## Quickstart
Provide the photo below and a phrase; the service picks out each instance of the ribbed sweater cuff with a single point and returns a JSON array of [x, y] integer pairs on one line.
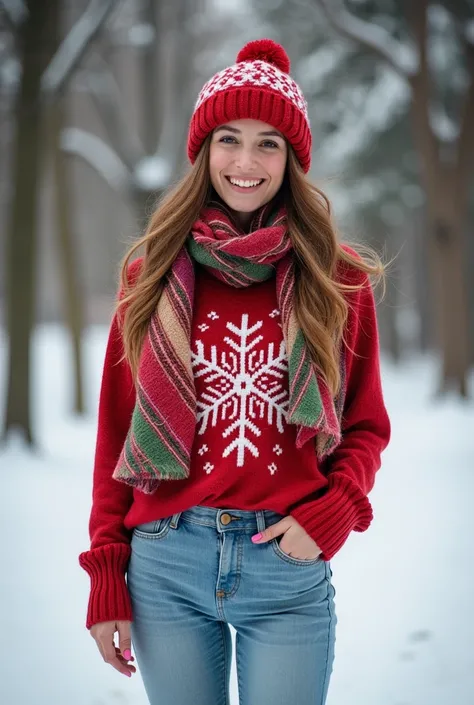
[[330, 519], [109, 597]]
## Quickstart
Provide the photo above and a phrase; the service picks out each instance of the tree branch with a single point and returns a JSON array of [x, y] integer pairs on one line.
[[398, 56], [469, 32], [74, 46], [97, 154], [15, 12], [105, 93], [152, 73], [465, 150], [417, 17]]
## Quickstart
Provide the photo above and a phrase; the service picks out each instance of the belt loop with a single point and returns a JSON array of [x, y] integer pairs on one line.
[[260, 519], [175, 519]]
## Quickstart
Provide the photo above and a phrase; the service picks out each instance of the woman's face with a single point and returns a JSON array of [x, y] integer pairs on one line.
[[247, 165]]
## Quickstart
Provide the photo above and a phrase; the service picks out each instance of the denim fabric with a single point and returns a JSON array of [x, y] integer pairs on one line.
[[194, 573]]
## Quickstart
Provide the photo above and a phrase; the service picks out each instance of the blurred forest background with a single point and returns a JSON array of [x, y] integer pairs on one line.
[[95, 100]]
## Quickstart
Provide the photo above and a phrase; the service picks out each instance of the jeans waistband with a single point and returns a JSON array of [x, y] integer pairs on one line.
[[228, 519]]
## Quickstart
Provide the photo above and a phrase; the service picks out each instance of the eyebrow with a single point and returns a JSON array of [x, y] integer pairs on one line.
[[269, 133]]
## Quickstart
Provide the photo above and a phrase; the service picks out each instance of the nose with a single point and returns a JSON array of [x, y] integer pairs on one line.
[[245, 160]]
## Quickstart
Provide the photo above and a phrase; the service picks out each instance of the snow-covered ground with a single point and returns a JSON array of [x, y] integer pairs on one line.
[[404, 588]]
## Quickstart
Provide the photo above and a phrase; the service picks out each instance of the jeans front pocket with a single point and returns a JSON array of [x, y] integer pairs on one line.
[[290, 559], [153, 529]]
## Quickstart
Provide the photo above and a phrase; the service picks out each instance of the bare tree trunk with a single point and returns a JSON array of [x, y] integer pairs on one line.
[[446, 196], [68, 270], [186, 75], [446, 213], [21, 251], [422, 278], [447, 264], [390, 316], [67, 258], [388, 308], [469, 235], [151, 62], [445, 174]]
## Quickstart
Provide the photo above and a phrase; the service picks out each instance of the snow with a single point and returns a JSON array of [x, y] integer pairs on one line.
[[96, 153], [401, 57], [73, 47], [141, 35], [152, 173], [445, 129], [230, 7], [378, 108], [316, 68], [439, 19], [10, 72], [403, 589], [16, 9]]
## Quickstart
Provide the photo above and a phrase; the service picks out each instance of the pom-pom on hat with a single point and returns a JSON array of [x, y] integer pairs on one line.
[[259, 87]]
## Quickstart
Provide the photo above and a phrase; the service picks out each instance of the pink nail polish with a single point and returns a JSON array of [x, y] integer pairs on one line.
[[256, 537], [127, 654], [128, 674]]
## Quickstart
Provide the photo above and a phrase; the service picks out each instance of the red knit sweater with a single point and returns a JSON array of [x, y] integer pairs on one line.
[[244, 455]]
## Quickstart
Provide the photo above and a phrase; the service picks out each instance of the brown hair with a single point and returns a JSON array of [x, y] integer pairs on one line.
[[321, 305]]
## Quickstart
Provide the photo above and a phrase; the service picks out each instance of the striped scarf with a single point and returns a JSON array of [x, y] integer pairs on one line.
[[161, 434]]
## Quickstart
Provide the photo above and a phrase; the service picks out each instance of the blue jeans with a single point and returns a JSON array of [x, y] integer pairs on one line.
[[191, 575]]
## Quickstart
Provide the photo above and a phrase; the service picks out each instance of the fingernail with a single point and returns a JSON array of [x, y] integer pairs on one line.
[[127, 654], [256, 537], [127, 673]]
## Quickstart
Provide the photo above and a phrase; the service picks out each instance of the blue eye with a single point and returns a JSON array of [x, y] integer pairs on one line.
[[272, 144]]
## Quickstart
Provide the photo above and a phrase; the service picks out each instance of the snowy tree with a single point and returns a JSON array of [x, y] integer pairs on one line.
[[391, 150], [140, 164], [442, 115], [44, 69]]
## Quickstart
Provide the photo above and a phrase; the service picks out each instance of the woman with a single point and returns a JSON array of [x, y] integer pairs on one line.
[[241, 416]]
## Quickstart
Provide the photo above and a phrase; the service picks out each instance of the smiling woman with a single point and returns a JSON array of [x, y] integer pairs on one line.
[[247, 167], [243, 361]]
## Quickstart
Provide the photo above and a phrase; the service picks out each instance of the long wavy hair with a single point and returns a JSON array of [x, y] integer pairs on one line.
[[321, 297]]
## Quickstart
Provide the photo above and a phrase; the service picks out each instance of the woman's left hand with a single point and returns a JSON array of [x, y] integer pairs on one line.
[[296, 542]]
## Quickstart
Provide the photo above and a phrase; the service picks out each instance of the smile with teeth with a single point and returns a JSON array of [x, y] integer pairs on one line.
[[247, 183]]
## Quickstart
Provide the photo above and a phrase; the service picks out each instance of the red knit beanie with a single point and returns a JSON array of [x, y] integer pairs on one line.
[[257, 86]]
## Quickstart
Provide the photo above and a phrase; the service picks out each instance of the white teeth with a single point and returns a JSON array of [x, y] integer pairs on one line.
[[245, 184]]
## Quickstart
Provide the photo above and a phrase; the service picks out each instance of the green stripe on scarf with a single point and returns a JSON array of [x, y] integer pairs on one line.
[[253, 270], [238, 259], [159, 455], [310, 406]]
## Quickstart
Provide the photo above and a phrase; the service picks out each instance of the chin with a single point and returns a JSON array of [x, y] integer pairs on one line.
[[245, 208], [245, 204]]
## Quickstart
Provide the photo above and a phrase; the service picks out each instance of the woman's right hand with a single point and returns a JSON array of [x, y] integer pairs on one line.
[[103, 633]]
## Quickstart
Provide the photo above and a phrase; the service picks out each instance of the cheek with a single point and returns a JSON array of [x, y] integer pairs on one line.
[[276, 168], [217, 162]]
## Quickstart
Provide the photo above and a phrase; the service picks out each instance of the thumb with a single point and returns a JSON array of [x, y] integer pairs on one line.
[[125, 641]]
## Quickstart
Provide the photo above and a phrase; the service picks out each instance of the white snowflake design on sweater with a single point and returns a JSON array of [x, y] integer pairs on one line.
[[243, 388]]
